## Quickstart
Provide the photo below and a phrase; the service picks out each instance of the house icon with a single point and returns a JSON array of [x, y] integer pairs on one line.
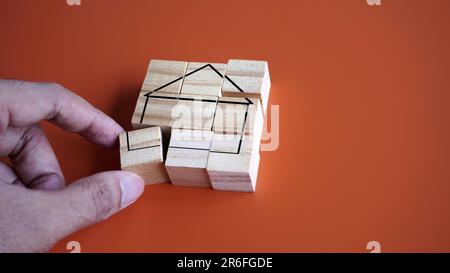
[[211, 115]]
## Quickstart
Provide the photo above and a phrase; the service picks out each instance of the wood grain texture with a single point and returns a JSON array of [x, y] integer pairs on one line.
[[194, 112], [187, 158], [231, 168], [158, 111], [251, 76], [237, 116], [141, 152], [162, 72], [205, 82], [214, 140]]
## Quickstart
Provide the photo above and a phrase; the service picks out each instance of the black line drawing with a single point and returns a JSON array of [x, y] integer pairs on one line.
[[195, 71], [189, 148], [140, 148], [247, 103]]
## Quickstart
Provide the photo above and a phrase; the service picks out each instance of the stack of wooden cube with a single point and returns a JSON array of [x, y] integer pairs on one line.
[[199, 124]]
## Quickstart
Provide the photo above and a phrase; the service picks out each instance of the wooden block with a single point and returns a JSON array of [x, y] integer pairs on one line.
[[141, 152], [164, 76], [163, 79], [239, 116], [187, 158], [233, 162], [204, 79], [248, 79], [154, 109], [194, 112]]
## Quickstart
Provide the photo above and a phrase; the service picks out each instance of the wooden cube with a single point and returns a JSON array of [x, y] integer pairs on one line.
[[187, 157], [141, 152], [164, 76], [159, 94], [239, 116], [194, 112], [203, 79], [249, 79], [154, 110], [233, 162]]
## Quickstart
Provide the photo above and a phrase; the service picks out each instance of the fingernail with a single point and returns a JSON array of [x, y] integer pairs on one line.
[[131, 187]]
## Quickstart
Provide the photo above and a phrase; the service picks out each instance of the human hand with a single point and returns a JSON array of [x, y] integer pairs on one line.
[[36, 209]]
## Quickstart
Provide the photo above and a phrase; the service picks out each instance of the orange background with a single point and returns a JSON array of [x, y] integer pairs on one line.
[[364, 96]]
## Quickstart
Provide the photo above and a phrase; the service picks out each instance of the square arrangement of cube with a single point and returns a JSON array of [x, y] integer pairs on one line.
[[212, 115]]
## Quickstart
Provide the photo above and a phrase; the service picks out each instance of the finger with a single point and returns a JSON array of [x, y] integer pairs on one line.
[[56, 214], [7, 175], [26, 103], [93, 199], [33, 157]]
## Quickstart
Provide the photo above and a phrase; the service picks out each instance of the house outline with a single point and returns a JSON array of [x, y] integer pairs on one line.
[[248, 102]]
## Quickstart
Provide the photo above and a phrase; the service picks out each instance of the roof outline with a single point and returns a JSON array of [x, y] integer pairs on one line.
[[225, 77]]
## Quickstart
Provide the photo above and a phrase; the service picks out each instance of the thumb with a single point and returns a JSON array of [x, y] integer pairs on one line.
[[95, 198], [34, 220]]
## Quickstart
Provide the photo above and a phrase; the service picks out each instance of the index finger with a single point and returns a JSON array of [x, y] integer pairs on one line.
[[26, 103]]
